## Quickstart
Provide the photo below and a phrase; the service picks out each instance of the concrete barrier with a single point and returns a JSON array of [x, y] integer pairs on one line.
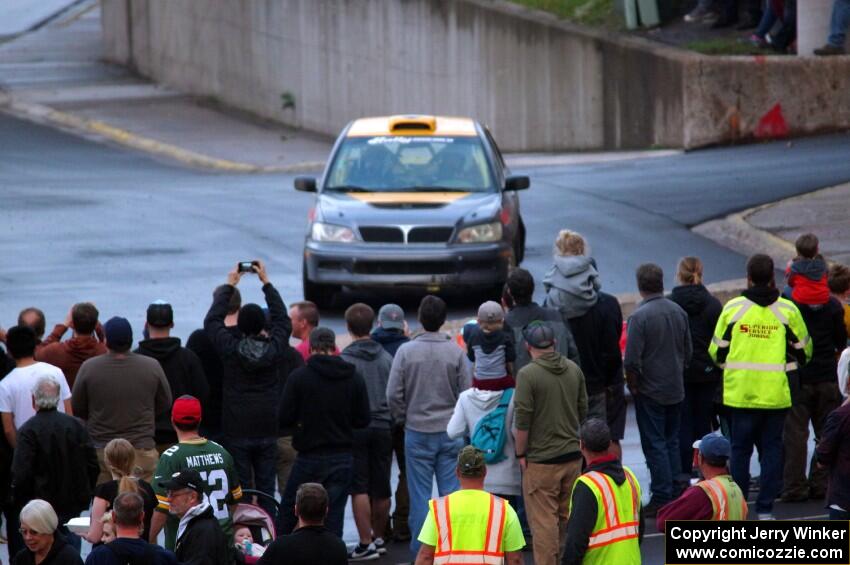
[[539, 83]]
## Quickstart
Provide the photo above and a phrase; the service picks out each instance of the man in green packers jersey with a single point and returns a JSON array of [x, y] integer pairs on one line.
[[209, 459]]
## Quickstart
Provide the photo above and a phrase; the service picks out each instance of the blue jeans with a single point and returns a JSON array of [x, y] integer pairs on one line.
[[427, 455], [333, 471], [256, 464], [658, 425], [839, 23], [762, 429]]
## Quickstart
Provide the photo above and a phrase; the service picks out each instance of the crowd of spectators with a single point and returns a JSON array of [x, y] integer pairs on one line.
[[158, 442]]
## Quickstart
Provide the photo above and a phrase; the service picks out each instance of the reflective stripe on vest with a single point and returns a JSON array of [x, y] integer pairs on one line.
[[718, 491], [616, 529], [491, 553]]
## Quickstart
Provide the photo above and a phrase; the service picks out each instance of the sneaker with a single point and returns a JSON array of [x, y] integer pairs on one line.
[[380, 545], [696, 15], [828, 50], [766, 516], [651, 509], [363, 553], [758, 41]]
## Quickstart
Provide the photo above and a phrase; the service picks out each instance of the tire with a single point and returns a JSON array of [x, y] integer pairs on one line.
[[322, 295], [519, 245]]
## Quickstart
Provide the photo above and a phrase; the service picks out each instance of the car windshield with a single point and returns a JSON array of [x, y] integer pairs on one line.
[[393, 163]]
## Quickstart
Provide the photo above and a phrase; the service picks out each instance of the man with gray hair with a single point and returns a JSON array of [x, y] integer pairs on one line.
[[55, 459]]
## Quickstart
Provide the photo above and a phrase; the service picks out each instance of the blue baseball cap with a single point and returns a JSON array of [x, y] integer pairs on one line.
[[714, 447]]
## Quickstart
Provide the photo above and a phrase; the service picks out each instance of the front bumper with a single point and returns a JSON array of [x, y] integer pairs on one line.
[[370, 265]]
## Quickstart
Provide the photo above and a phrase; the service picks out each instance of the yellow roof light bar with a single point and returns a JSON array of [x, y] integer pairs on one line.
[[412, 124]]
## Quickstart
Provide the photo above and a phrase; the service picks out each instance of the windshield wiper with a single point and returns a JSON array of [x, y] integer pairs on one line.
[[347, 188]]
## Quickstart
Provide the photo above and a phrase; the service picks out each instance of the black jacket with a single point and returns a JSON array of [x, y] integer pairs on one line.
[[60, 554], [310, 545], [703, 311], [583, 510], [202, 346], [391, 340], [325, 400], [185, 375], [825, 323], [54, 460], [833, 451], [203, 542], [251, 381], [597, 334]]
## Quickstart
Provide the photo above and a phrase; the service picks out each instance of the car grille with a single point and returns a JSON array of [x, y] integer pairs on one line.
[[430, 235], [427, 234], [417, 267], [381, 234]]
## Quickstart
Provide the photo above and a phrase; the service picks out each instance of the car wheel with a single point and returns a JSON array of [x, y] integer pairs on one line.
[[519, 244], [322, 295]]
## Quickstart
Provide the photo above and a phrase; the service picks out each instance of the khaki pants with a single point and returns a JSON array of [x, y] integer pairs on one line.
[[285, 459], [547, 490], [146, 460]]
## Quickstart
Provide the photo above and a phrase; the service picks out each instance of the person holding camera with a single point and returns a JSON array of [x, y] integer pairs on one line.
[[252, 386]]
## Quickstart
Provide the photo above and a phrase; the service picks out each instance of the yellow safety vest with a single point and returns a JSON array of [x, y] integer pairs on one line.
[[727, 500], [614, 538], [750, 344], [452, 536]]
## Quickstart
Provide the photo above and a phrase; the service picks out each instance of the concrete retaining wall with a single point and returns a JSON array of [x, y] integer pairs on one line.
[[540, 84]]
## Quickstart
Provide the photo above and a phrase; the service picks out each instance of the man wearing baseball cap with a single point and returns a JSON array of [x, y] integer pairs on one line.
[[716, 497], [550, 403], [201, 540], [482, 525], [209, 459], [181, 366]]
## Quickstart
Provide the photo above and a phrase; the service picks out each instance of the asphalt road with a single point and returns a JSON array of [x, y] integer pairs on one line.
[[85, 221]]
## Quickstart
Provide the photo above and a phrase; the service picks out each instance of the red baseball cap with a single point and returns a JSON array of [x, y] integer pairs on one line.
[[186, 410]]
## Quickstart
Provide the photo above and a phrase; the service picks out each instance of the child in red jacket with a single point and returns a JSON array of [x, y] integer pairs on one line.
[[806, 275]]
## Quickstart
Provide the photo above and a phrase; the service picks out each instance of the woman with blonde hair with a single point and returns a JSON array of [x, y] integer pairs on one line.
[[43, 547], [120, 458], [572, 283], [702, 377]]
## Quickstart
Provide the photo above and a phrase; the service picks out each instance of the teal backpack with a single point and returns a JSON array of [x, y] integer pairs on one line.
[[490, 434]]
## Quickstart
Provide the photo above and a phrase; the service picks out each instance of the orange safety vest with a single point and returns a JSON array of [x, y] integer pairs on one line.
[[490, 554], [727, 500]]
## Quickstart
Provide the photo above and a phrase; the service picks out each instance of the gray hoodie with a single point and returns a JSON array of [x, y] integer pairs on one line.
[[429, 372], [502, 477], [372, 363], [571, 285]]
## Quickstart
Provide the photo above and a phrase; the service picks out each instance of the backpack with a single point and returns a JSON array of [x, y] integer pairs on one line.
[[490, 434]]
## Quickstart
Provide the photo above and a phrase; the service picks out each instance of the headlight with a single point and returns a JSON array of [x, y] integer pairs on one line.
[[481, 233], [331, 232]]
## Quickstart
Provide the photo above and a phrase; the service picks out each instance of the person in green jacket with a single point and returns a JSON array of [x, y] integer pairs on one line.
[[760, 341], [550, 403]]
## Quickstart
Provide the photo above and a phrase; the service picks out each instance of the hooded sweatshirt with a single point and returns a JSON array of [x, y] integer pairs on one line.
[[502, 477], [69, 355], [391, 340], [551, 403], [251, 388], [373, 364], [807, 281], [185, 375], [703, 311], [325, 401], [571, 285]]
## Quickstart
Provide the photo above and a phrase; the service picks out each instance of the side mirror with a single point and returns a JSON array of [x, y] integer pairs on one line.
[[305, 184], [517, 183]]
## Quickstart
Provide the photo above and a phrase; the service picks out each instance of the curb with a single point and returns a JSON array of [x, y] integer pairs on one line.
[[735, 233], [46, 115]]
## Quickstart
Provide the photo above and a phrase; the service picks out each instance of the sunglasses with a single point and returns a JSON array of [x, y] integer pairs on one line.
[[29, 532]]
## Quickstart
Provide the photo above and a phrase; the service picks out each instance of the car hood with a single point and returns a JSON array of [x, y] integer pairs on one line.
[[396, 208]]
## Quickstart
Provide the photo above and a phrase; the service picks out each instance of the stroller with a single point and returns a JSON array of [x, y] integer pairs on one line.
[[260, 522]]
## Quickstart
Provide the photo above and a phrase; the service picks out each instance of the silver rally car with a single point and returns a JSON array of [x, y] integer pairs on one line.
[[417, 201]]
